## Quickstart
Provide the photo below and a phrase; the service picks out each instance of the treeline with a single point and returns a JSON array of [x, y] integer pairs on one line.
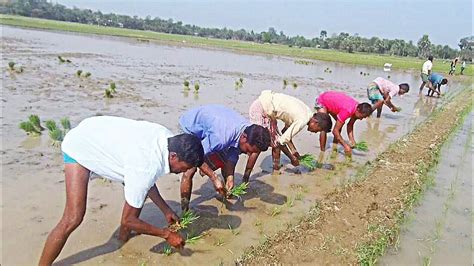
[[342, 41]]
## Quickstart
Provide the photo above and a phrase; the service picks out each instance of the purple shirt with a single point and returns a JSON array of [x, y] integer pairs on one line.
[[217, 126]]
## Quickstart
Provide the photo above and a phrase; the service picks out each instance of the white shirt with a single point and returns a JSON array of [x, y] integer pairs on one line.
[[120, 149], [292, 111], [426, 66]]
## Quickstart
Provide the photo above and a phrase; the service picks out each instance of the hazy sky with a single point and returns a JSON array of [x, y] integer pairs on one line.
[[445, 21]]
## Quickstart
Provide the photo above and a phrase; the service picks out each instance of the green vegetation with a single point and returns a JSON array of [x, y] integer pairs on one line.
[[11, 65], [167, 250], [239, 83], [63, 60], [196, 87], [66, 124], [79, 73], [285, 83], [186, 84], [187, 219], [29, 128], [398, 62], [192, 239], [36, 122], [33, 127], [295, 85], [234, 232], [87, 74], [239, 190], [309, 161], [113, 87], [361, 146]]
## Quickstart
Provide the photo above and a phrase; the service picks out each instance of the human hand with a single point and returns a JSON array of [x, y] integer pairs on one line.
[[171, 217], [347, 150], [175, 239]]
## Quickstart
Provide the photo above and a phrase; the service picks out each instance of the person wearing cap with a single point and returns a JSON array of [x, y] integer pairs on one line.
[[135, 153], [270, 107]]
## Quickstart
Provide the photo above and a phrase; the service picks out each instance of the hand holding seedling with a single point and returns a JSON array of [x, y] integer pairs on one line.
[[175, 239], [171, 217], [238, 191]]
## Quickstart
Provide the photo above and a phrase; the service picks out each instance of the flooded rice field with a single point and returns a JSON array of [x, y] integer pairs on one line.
[[149, 78], [439, 231]]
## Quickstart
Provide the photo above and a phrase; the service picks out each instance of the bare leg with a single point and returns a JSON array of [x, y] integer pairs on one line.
[[77, 179], [379, 111], [276, 159], [186, 187], [422, 86]]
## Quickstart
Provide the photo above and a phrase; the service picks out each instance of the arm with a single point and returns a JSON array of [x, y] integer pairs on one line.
[[322, 140], [337, 135], [350, 131], [388, 102], [155, 196], [249, 167], [214, 178], [130, 221]]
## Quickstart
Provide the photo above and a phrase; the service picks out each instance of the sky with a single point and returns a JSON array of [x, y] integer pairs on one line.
[[446, 22]]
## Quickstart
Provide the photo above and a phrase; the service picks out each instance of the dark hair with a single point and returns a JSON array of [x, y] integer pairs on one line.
[[188, 148], [430, 58], [405, 87], [444, 81], [258, 136], [324, 121], [364, 108]]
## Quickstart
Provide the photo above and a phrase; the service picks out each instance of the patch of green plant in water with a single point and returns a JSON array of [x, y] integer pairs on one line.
[[108, 93], [36, 122], [112, 87], [167, 250], [193, 239], [239, 191], [87, 74], [186, 85], [66, 124], [309, 161], [361, 146], [29, 128], [295, 85], [196, 87], [78, 73]]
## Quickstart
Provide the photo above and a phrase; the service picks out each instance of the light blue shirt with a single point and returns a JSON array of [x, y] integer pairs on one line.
[[217, 126], [435, 78]]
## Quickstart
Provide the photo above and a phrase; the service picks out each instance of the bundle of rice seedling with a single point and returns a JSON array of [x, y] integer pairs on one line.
[[61, 59], [66, 124], [79, 72], [192, 239], [57, 136], [87, 74], [361, 146], [35, 120], [167, 250], [113, 87], [188, 218], [29, 128], [11, 65], [239, 190], [108, 93], [186, 84], [51, 125], [309, 161], [196, 87]]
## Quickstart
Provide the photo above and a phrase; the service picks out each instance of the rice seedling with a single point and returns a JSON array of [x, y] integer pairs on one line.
[[309, 162], [238, 84], [299, 196], [36, 122], [167, 250], [187, 219], [51, 125], [57, 136], [87, 74], [241, 80], [234, 232], [361, 146], [66, 124], [219, 242], [186, 84], [295, 85], [11, 65], [196, 87], [113, 87], [290, 202], [29, 128], [285, 83], [192, 239], [108, 93], [239, 190], [78, 73], [61, 59], [275, 211]]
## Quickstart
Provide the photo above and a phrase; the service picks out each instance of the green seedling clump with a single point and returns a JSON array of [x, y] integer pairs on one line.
[[113, 87], [51, 125], [87, 74], [79, 72], [186, 84], [66, 124], [187, 219], [29, 128], [36, 122], [361, 146], [309, 161], [196, 87], [295, 85], [61, 59], [167, 250], [11, 65], [241, 80], [239, 190], [108, 93]]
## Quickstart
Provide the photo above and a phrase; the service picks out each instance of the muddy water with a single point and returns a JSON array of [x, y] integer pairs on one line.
[[440, 229], [149, 78]]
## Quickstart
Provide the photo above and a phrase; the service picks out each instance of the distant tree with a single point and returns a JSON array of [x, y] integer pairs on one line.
[[323, 34], [424, 45]]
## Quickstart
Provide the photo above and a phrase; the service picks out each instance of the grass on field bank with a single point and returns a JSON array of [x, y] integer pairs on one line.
[[251, 47]]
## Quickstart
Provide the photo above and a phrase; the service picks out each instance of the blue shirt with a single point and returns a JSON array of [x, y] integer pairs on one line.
[[435, 78], [218, 127]]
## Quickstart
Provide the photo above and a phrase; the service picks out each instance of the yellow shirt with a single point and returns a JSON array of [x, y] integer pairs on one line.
[[292, 111]]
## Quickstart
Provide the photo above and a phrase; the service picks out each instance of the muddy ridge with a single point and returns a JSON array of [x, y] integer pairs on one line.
[[355, 223]]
